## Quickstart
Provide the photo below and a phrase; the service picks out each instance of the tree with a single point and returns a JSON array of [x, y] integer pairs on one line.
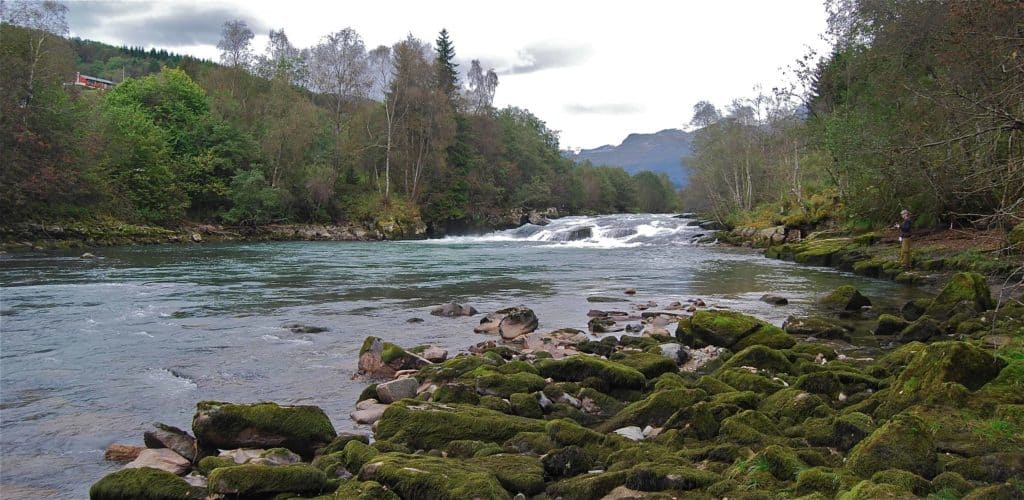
[[234, 44], [282, 60], [48, 20], [480, 95], [447, 74], [339, 68], [381, 72]]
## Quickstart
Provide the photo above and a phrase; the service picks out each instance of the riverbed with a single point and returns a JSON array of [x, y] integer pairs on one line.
[[94, 350]]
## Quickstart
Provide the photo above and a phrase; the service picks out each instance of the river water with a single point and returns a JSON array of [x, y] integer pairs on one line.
[[93, 351]]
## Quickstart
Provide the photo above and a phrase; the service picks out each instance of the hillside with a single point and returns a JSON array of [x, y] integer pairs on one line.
[[658, 152]]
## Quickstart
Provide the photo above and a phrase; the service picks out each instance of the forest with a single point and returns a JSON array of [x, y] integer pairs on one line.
[[919, 106], [334, 133]]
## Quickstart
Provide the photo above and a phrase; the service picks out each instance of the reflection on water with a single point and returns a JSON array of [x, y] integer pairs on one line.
[[95, 350]]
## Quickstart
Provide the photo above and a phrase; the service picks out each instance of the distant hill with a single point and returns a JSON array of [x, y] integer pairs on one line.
[[658, 152]]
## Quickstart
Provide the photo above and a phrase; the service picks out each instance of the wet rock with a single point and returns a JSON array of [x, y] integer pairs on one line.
[[580, 233], [890, 325], [300, 328], [389, 392], [435, 354], [602, 325], [962, 287], [902, 443], [816, 327], [921, 330], [196, 238], [301, 429], [166, 436], [630, 291], [368, 411], [381, 359], [774, 300], [489, 323], [452, 310], [162, 459], [600, 299], [277, 456], [414, 320], [142, 483], [845, 298], [914, 309], [675, 352], [122, 452], [517, 321]]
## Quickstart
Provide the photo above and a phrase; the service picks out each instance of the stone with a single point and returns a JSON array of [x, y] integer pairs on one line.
[[452, 310], [276, 456], [489, 323], [921, 330], [630, 291], [122, 452], [369, 411], [161, 459], [632, 433], [389, 392], [962, 287], [675, 352], [697, 358], [379, 359], [904, 442], [242, 455], [142, 484], [424, 425], [255, 480], [196, 238], [845, 298], [301, 429], [519, 320], [88, 255], [813, 327], [889, 324], [195, 480], [166, 436], [435, 354], [774, 300]]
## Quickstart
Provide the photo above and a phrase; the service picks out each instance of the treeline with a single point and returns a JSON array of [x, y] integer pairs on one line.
[[331, 133], [920, 105]]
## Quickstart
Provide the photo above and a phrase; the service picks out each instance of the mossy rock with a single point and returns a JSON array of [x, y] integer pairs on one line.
[[655, 409], [697, 421], [456, 393], [871, 267], [762, 358], [749, 427], [823, 480], [369, 392], [1005, 491], [992, 468], [302, 429], [651, 365], [748, 400], [833, 382], [904, 442], [951, 482], [587, 486], [791, 406], [767, 335], [516, 473], [667, 381], [599, 404], [252, 480], [432, 478], [526, 405], [579, 367], [814, 326], [537, 443], [343, 438], [962, 287], [937, 364], [845, 298], [452, 368], [566, 462], [745, 381], [504, 385], [1006, 388], [651, 476], [362, 490], [867, 490], [722, 328], [963, 432], [890, 325], [566, 432], [207, 464], [822, 252], [904, 479], [495, 403], [782, 462], [356, 454], [431, 425], [922, 330], [712, 385], [143, 484]]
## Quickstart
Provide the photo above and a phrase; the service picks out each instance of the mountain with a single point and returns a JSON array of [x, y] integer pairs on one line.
[[658, 152]]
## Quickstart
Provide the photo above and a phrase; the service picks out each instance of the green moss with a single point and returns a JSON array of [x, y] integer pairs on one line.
[[1005, 491], [503, 385], [464, 448], [951, 482], [599, 403], [363, 490], [431, 425], [760, 357], [651, 365], [845, 298], [339, 442], [301, 429], [745, 381], [142, 484], [451, 369], [588, 486], [820, 252], [697, 421], [566, 462], [902, 443], [207, 464], [819, 480], [867, 490], [456, 393], [783, 463], [722, 328], [356, 454], [495, 403], [369, 392], [252, 480], [921, 330], [388, 446], [655, 409], [791, 406], [905, 480], [712, 385], [991, 468], [537, 443], [747, 400], [768, 336], [432, 478], [814, 326], [749, 427], [871, 267], [1007, 387], [970, 287], [579, 367], [650, 476], [516, 473], [890, 325], [332, 464], [526, 405]]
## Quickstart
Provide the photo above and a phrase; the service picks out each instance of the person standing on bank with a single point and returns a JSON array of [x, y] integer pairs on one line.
[[904, 226]]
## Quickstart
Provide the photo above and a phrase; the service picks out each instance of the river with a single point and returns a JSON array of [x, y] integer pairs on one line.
[[94, 350]]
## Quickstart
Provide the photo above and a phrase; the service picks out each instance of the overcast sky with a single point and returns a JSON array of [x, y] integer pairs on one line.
[[596, 71]]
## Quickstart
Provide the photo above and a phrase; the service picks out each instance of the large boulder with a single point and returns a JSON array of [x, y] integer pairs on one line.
[[256, 480], [962, 287], [379, 359], [389, 392], [845, 298], [417, 476], [166, 436], [579, 367], [730, 329], [517, 321], [301, 429], [904, 442], [432, 425], [161, 458]]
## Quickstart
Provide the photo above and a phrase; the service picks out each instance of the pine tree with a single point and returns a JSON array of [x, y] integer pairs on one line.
[[447, 77]]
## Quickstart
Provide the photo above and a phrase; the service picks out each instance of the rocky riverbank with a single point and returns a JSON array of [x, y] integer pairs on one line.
[[703, 403]]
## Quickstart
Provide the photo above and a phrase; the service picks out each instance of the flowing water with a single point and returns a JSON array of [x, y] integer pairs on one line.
[[93, 351]]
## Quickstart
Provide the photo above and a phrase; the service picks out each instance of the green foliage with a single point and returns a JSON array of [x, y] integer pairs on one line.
[[253, 200]]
